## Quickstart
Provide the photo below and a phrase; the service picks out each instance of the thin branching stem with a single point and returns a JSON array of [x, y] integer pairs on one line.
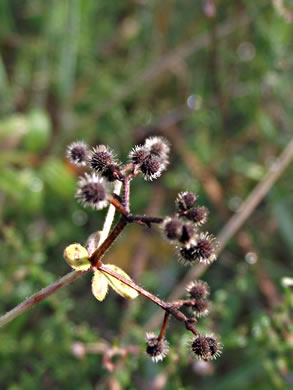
[[142, 219], [39, 297], [168, 307], [164, 326], [126, 194], [117, 204], [100, 251], [67, 279], [234, 223]]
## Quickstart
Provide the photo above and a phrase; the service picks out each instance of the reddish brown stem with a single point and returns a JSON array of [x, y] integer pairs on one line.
[[97, 255], [144, 219], [168, 307], [39, 296], [117, 204], [186, 302], [164, 326], [189, 326], [126, 194], [130, 283]]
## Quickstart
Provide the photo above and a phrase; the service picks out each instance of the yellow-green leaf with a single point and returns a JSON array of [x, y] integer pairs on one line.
[[77, 257], [99, 285], [120, 288]]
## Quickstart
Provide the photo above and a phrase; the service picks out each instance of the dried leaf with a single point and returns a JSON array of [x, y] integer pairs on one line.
[[99, 285], [77, 257], [120, 288]]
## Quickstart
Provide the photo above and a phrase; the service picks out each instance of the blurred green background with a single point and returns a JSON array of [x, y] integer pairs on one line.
[[215, 78]]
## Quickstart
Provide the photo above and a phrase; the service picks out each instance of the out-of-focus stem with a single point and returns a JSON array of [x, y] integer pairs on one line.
[[67, 279], [39, 297]]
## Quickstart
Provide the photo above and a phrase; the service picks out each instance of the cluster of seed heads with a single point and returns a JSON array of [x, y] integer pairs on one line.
[[205, 347], [198, 291], [151, 159], [182, 229]]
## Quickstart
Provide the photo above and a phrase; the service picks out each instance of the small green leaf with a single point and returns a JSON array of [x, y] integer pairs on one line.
[[121, 288], [99, 285], [77, 257]]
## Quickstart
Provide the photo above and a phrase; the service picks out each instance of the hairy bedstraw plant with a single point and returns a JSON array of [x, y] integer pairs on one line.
[[181, 229]]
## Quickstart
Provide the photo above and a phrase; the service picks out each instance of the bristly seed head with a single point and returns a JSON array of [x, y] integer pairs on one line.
[[198, 289], [176, 230], [198, 215], [187, 233], [138, 155], [77, 153], [158, 146], [172, 228], [202, 248], [206, 347], [92, 191], [100, 158], [215, 346], [205, 248], [201, 307], [152, 168], [156, 349], [112, 172], [187, 253], [201, 348], [185, 201], [152, 157]]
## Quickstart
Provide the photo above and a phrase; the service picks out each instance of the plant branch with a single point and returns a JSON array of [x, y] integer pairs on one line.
[[225, 235], [40, 296], [164, 326], [235, 222], [130, 283], [170, 308], [141, 219], [117, 204], [126, 194], [100, 251], [67, 279], [144, 219]]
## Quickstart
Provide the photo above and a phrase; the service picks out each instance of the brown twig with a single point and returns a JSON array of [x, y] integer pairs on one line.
[[100, 251], [117, 204], [143, 219], [65, 280], [39, 297], [126, 194], [167, 307], [164, 326]]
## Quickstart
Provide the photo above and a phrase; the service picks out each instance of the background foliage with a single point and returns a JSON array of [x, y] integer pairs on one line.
[[114, 72]]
